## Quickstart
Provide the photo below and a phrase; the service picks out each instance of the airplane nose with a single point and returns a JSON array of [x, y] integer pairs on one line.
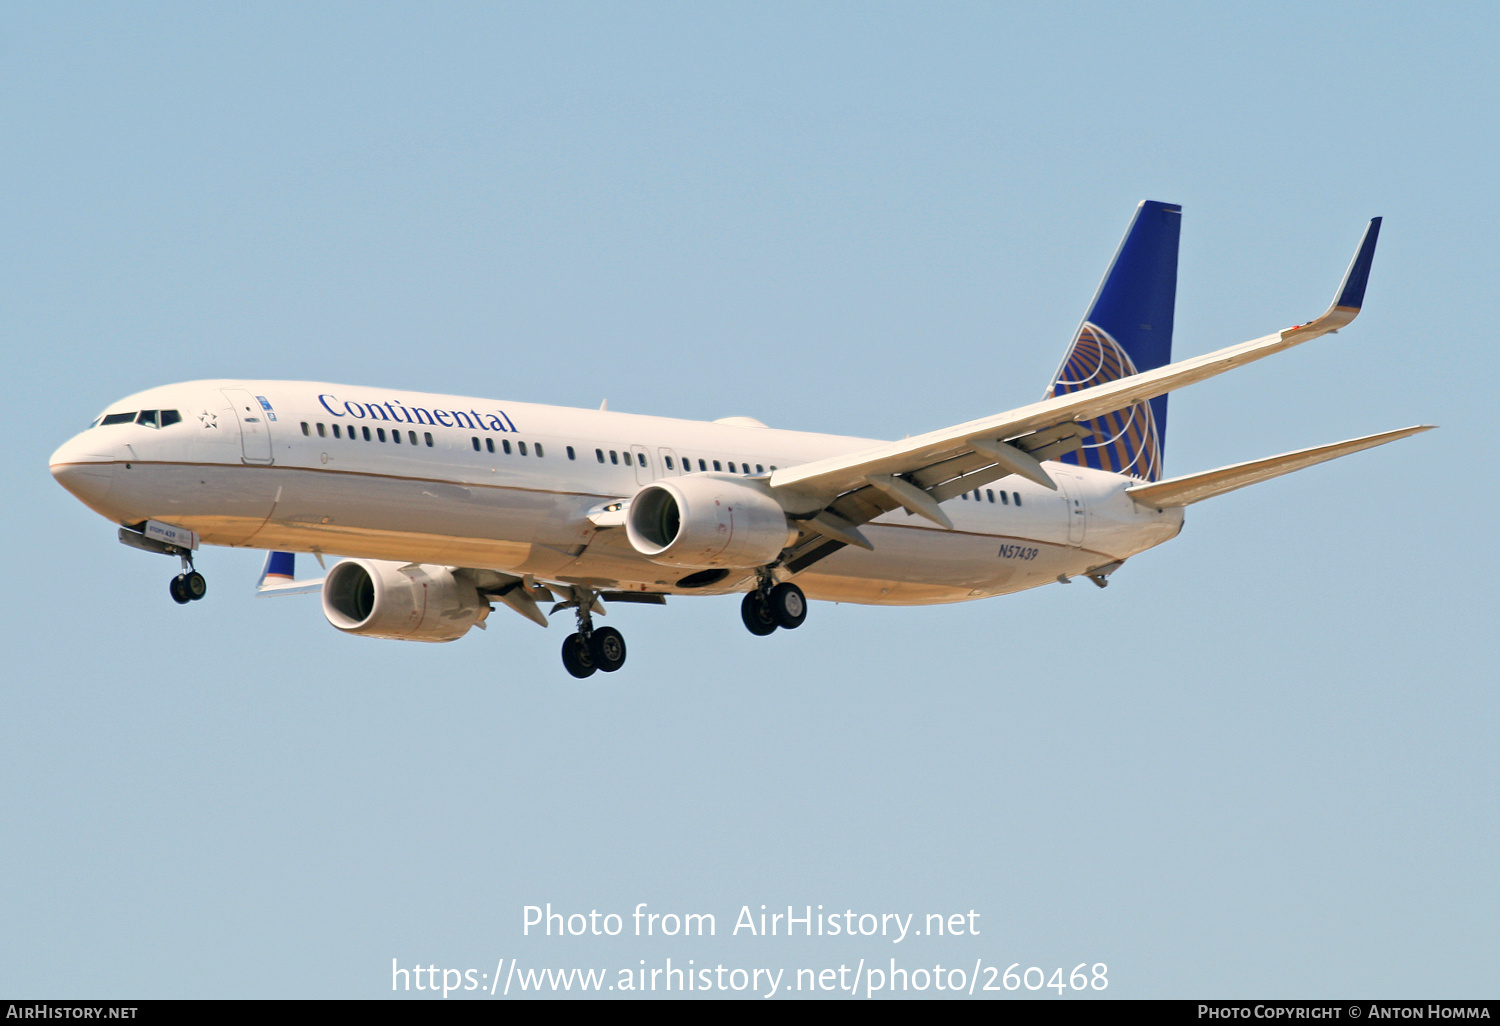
[[86, 474]]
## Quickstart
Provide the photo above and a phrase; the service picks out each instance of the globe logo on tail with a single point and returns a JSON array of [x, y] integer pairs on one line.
[[1125, 441]]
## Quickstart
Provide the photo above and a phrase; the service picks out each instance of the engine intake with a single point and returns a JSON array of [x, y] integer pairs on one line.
[[375, 598], [706, 521]]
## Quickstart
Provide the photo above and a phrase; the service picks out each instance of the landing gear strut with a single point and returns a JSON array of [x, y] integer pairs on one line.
[[773, 605], [589, 650]]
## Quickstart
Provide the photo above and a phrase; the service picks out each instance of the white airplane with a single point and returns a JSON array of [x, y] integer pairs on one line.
[[447, 504]]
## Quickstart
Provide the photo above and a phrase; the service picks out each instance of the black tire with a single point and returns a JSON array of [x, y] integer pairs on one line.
[[788, 605], [608, 649], [179, 591], [756, 612], [577, 658], [195, 586]]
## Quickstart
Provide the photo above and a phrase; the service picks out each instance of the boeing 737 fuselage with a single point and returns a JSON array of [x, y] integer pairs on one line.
[[447, 504]]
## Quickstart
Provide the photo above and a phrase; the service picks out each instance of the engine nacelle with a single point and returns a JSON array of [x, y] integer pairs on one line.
[[706, 521], [403, 601]]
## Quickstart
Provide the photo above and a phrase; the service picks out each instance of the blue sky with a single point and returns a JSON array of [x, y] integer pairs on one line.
[[1261, 763]]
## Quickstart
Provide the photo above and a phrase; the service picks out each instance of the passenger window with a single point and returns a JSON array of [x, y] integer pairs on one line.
[[614, 457], [428, 436], [991, 493], [599, 453], [381, 433], [702, 465], [322, 431], [731, 466], [366, 432], [641, 460], [716, 465], [170, 417], [475, 442], [1017, 497], [571, 454], [1004, 500], [965, 495], [539, 453], [411, 436], [119, 418], [395, 436], [305, 429], [489, 445], [627, 460], [336, 432], [505, 444], [759, 469], [669, 461], [521, 447]]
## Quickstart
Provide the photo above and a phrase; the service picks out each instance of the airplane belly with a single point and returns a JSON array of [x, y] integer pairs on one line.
[[229, 504], [920, 566], [386, 517]]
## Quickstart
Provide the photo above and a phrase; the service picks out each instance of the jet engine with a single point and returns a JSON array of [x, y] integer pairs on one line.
[[707, 521], [402, 601]]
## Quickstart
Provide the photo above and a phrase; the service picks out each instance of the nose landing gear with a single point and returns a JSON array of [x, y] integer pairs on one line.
[[188, 586], [150, 536]]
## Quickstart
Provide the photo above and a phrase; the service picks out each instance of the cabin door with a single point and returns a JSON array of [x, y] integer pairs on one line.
[[254, 422]]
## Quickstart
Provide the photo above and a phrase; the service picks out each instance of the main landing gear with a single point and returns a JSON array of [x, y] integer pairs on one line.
[[188, 586], [591, 649], [771, 606]]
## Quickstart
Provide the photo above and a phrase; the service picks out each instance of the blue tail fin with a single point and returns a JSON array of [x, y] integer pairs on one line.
[[1128, 329]]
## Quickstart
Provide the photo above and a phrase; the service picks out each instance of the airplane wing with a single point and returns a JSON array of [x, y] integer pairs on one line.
[[917, 473], [1184, 491]]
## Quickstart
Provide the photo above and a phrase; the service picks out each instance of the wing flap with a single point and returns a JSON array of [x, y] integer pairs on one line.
[[1184, 491]]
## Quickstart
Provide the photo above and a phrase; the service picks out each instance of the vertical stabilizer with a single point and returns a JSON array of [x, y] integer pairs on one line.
[[1128, 329]]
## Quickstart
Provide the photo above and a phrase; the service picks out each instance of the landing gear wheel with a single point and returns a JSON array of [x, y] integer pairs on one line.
[[577, 658], [194, 585], [756, 613], [178, 588], [607, 647], [788, 605]]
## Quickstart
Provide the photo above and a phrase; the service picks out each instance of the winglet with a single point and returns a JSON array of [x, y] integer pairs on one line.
[[1352, 291], [278, 577], [279, 568], [1351, 294]]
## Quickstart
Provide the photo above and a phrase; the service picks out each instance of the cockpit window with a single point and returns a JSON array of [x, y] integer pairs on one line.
[[118, 418], [158, 418]]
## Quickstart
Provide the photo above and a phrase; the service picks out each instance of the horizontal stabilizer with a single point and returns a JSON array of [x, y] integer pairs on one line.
[[277, 577], [1184, 491]]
